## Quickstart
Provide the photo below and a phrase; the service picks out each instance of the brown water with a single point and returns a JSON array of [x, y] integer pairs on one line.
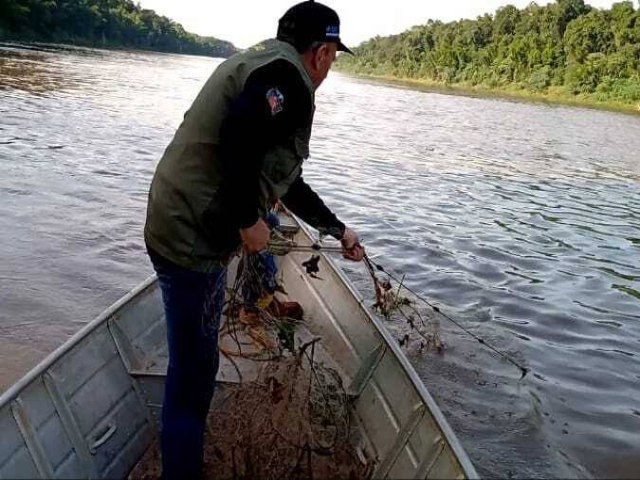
[[521, 220]]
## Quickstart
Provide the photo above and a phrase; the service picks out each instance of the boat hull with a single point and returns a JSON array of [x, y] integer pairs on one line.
[[91, 408]]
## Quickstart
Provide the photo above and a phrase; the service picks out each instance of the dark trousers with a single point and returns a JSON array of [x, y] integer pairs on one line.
[[193, 305]]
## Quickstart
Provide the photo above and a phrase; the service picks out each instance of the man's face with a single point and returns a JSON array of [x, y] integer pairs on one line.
[[328, 59], [323, 58]]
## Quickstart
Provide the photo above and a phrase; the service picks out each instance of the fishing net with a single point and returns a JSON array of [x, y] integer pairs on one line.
[[293, 421], [395, 303]]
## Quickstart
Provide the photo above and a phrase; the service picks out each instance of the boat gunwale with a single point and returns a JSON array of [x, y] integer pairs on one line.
[[14, 390], [469, 470], [391, 343]]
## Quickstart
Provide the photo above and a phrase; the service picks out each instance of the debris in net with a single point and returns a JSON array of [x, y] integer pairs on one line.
[[298, 426], [293, 422], [373, 266], [390, 303], [312, 265]]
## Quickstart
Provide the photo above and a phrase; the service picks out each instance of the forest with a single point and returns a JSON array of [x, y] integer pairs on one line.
[[566, 49], [102, 23]]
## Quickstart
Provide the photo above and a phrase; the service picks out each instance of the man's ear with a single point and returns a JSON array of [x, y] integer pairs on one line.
[[321, 55]]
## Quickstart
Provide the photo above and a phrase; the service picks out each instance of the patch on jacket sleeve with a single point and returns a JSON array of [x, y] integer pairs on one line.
[[275, 100]]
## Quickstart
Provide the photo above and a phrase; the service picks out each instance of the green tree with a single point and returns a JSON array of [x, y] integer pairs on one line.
[[566, 45], [102, 23]]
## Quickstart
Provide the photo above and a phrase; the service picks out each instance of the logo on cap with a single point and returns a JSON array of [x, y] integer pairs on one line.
[[333, 31]]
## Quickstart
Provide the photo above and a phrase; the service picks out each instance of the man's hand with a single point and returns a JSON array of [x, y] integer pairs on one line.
[[255, 238], [351, 248]]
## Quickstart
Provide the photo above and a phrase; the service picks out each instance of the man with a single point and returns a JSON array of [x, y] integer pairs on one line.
[[238, 150]]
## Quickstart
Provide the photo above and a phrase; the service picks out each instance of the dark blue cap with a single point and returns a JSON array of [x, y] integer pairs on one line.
[[309, 22]]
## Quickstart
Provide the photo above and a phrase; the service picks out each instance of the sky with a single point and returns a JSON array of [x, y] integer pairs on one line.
[[246, 22]]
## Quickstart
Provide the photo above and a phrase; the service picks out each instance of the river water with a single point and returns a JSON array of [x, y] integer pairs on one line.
[[522, 221]]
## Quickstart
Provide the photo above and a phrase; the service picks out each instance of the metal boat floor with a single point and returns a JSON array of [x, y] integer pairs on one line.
[[236, 369]]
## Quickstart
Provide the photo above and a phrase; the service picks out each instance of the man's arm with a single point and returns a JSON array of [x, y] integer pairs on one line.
[[307, 205], [253, 126]]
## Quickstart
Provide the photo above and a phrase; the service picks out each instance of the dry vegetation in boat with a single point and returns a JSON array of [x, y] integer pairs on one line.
[[294, 421]]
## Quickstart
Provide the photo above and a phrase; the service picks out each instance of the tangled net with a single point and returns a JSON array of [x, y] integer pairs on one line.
[[293, 421], [390, 303]]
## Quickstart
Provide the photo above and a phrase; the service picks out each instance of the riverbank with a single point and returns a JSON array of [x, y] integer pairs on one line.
[[79, 44], [555, 95], [189, 45]]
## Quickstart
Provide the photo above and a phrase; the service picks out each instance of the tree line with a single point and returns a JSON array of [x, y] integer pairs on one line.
[[566, 47], [106, 23]]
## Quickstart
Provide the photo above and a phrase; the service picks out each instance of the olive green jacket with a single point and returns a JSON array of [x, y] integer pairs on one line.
[[185, 222]]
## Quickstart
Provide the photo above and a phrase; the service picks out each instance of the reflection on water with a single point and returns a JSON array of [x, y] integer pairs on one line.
[[31, 70], [520, 220]]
